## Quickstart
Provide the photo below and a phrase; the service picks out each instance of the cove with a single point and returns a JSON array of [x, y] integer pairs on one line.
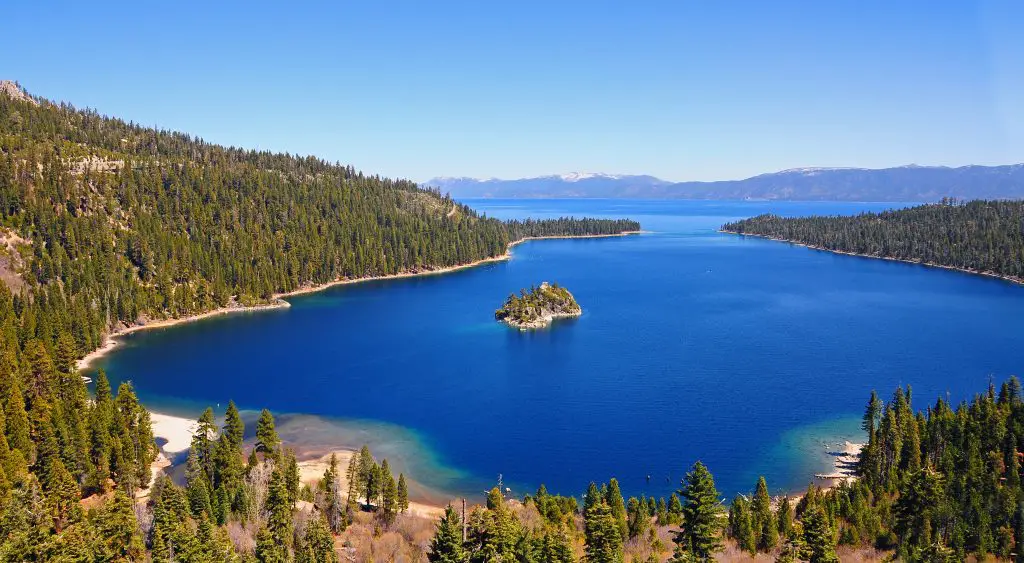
[[750, 355]]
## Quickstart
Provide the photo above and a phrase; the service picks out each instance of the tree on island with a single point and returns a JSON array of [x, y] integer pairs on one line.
[[538, 306]]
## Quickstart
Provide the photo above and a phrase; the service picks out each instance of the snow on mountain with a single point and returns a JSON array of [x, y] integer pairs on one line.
[[909, 183]]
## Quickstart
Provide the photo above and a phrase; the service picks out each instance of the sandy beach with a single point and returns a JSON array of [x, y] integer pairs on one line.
[[844, 466], [174, 435], [110, 342], [312, 470]]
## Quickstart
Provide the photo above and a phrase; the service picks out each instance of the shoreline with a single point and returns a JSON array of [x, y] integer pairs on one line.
[[174, 432], [542, 322], [173, 435], [110, 341], [843, 465], [989, 274], [843, 471], [311, 470]]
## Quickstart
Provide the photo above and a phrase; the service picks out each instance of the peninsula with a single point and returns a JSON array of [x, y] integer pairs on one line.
[[977, 237], [538, 307]]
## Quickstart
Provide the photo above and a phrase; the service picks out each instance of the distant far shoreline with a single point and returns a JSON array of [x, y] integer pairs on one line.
[[110, 341], [1011, 279]]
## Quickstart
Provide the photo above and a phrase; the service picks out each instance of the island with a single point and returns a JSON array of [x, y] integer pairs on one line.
[[538, 307]]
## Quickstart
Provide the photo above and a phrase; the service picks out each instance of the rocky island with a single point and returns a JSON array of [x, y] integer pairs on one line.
[[538, 307]]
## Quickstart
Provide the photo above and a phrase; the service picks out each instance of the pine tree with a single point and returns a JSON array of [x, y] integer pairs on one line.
[[872, 416], [63, 495], [368, 475], [66, 353], [333, 506], [76, 543], [701, 535], [101, 418], [202, 443], [639, 518], [268, 550], [494, 498], [353, 479], [675, 509], [764, 523], [17, 419], [267, 441], [40, 380], [915, 508], [277, 535], [556, 548], [135, 438], [591, 497], [662, 512], [234, 428], [446, 547], [791, 550], [614, 498], [227, 468], [118, 531], [389, 494], [819, 537], [317, 543], [403, 494], [784, 517], [252, 461], [741, 526], [495, 533], [603, 537], [221, 506], [197, 486], [292, 480]]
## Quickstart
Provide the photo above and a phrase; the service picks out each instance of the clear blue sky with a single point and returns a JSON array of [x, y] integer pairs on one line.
[[682, 90]]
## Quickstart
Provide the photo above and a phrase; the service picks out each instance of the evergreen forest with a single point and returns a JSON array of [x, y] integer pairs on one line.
[[975, 236]]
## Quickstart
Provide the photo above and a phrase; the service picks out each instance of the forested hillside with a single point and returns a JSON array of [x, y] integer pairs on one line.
[[978, 236], [117, 223], [105, 224], [938, 485]]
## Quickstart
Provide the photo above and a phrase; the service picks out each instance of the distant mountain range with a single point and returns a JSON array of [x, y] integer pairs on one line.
[[904, 183]]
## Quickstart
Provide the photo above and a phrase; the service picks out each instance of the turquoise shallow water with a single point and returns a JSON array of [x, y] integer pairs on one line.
[[753, 356]]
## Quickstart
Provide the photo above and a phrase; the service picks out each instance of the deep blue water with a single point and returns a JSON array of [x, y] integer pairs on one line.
[[748, 354]]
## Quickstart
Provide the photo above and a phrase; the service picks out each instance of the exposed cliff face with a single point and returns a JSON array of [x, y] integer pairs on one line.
[[15, 92], [538, 307]]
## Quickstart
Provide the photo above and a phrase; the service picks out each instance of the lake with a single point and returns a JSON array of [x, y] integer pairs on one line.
[[753, 356]]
